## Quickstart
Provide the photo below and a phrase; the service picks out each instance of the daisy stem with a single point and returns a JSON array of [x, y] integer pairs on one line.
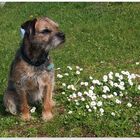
[[77, 81]]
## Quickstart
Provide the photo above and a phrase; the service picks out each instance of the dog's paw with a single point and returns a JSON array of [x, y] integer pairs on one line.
[[46, 116], [26, 117]]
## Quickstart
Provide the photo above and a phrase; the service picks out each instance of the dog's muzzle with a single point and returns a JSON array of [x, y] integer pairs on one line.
[[61, 35]]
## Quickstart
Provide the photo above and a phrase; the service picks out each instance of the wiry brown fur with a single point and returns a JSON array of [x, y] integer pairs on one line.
[[28, 83]]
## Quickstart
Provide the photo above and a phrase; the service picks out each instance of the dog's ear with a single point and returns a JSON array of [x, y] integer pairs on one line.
[[29, 26]]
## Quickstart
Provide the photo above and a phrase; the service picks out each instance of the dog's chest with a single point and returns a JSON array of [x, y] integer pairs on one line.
[[36, 82]]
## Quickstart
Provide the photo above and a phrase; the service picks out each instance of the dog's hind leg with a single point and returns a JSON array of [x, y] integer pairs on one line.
[[10, 100]]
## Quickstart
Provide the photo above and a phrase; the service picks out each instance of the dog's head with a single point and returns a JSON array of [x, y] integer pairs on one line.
[[43, 33]]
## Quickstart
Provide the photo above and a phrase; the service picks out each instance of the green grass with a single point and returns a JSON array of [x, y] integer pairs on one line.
[[100, 37]]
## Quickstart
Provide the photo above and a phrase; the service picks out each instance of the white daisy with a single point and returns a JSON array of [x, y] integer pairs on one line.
[[105, 78], [96, 82], [117, 74], [90, 77], [79, 94], [138, 87], [93, 97], [127, 73], [110, 75], [77, 72], [121, 87], [87, 106], [89, 110], [122, 83], [70, 68], [69, 87], [110, 96], [82, 83], [120, 77], [101, 110], [82, 99], [116, 84], [92, 87], [123, 72], [130, 82], [99, 103], [33, 109], [106, 89], [113, 114], [85, 92], [133, 76], [118, 101], [86, 83], [93, 103], [90, 92], [111, 83], [77, 103], [77, 67], [74, 95], [63, 84], [104, 96], [137, 75], [59, 76], [66, 74], [76, 100], [115, 93], [70, 112], [94, 107], [63, 93], [73, 88], [71, 96], [129, 105]]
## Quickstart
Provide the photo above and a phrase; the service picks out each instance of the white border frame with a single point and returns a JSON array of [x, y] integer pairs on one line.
[[69, 0]]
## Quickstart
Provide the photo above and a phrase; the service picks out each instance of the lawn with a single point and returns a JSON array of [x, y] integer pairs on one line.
[[100, 37]]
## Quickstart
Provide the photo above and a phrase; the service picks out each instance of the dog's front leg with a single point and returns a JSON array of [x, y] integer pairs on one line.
[[24, 106], [47, 104]]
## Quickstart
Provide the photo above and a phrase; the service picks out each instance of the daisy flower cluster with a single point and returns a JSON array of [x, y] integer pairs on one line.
[[99, 97]]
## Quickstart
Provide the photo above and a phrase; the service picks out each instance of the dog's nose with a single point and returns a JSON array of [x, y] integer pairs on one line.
[[61, 35]]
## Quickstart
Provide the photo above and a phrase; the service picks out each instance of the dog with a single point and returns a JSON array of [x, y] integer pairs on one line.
[[31, 77]]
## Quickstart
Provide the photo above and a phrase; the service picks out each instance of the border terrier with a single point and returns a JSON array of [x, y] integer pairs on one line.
[[31, 77]]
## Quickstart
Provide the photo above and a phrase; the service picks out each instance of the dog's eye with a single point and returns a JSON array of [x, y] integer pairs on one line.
[[46, 31]]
